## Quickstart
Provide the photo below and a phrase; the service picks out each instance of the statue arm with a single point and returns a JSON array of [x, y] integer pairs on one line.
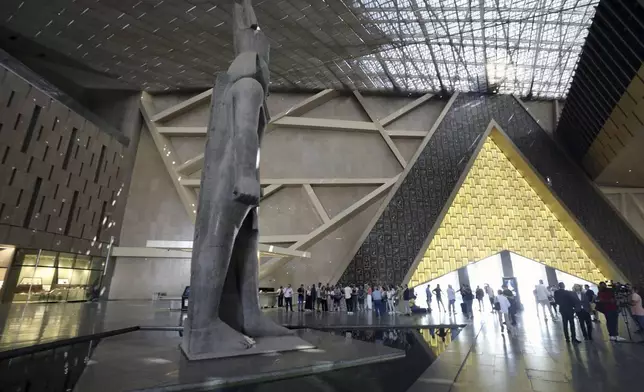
[[248, 99]]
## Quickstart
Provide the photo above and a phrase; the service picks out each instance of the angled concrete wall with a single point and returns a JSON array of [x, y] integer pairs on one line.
[[154, 210]]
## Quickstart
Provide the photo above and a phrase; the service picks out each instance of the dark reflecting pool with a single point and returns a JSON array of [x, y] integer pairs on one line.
[[422, 347], [56, 369]]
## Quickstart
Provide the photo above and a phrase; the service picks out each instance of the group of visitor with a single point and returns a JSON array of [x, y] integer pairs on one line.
[[585, 305], [582, 303], [353, 298], [467, 294]]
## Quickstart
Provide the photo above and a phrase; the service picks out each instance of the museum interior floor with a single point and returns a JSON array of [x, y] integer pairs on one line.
[[476, 356]]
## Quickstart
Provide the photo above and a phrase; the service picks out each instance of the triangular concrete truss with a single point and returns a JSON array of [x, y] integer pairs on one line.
[[498, 208], [184, 172]]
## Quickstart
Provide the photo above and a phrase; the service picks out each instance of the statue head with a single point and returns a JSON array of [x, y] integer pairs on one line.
[[249, 42]]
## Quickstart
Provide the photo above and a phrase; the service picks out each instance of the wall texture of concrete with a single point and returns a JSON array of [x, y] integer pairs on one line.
[[154, 210], [64, 172], [630, 205]]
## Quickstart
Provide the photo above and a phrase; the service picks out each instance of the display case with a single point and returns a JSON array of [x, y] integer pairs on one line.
[[42, 276]]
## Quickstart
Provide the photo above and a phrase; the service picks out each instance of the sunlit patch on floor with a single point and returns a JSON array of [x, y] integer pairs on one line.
[[158, 361]]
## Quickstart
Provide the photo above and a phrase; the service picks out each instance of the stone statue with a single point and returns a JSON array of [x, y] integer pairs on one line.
[[223, 312]]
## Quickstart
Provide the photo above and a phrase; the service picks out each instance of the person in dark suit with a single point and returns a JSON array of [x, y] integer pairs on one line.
[[566, 301], [584, 310]]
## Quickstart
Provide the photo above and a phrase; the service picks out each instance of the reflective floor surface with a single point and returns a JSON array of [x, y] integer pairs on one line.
[[536, 358], [24, 325], [339, 320]]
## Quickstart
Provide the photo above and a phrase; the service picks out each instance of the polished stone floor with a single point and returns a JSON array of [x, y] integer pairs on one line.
[[536, 358], [344, 320], [24, 325]]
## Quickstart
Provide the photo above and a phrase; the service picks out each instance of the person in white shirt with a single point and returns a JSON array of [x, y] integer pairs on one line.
[[503, 311], [451, 299], [347, 299], [288, 298], [280, 297], [391, 299], [541, 293], [428, 295]]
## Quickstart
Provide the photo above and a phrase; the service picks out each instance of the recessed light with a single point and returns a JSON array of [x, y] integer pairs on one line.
[[629, 170], [616, 182]]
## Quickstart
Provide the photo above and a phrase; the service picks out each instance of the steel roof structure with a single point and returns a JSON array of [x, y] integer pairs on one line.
[[524, 47]]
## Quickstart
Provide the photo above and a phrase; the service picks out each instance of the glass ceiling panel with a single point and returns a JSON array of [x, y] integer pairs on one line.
[[525, 47]]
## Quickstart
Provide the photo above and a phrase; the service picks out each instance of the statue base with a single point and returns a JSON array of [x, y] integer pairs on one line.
[[152, 361], [265, 345]]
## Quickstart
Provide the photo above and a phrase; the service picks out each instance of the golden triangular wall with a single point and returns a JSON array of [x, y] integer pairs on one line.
[[497, 209]]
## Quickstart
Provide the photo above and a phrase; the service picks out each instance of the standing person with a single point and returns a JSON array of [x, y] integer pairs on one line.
[[513, 303], [369, 298], [376, 295], [439, 300], [637, 311], [361, 297], [428, 295], [308, 302], [354, 298], [541, 293], [468, 299], [490, 293], [318, 297], [406, 298], [480, 294], [321, 298], [583, 309], [566, 301], [328, 301], [391, 299], [502, 304], [590, 294], [337, 296], [398, 296], [551, 298], [280, 297], [288, 297], [347, 298], [607, 304], [300, 298], [314, 296], [384, 294], [451, 299]]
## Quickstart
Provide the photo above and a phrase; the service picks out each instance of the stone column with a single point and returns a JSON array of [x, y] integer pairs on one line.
[[463, 277], [552, 276], [506, 264]]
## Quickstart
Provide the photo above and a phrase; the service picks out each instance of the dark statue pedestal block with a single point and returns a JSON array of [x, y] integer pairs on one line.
[[266, 345]]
